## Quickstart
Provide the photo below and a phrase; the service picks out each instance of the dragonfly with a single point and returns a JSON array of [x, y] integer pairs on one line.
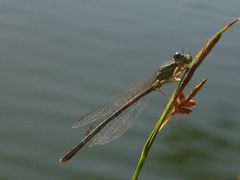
[[111, 120]]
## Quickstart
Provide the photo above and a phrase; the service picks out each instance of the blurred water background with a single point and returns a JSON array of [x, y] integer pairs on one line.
[[61, 59]]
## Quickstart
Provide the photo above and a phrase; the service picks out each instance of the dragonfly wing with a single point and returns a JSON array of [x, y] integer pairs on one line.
[[119, 125], [103, 112], [96, 115]]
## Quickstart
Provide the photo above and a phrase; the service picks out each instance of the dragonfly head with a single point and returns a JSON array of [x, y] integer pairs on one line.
[[182, 59]]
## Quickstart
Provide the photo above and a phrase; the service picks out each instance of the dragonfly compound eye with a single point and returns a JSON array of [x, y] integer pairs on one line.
[[177, 56]]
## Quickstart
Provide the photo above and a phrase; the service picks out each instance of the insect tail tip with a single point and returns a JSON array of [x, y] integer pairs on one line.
[[62, 160]]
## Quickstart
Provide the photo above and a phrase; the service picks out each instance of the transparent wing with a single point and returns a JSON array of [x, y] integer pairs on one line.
[[119, 125], [103, 112]]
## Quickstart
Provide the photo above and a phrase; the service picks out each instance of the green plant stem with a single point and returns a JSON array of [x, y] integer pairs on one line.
[[202, 54], [151, 139]]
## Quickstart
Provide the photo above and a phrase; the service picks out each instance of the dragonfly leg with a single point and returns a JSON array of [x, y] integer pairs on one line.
[[176, 74], [174, 80]]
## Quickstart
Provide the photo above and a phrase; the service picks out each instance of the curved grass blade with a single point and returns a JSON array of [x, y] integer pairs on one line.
[[202, 54]]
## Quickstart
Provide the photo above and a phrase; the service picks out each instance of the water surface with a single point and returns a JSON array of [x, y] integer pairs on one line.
[[61, 59]]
